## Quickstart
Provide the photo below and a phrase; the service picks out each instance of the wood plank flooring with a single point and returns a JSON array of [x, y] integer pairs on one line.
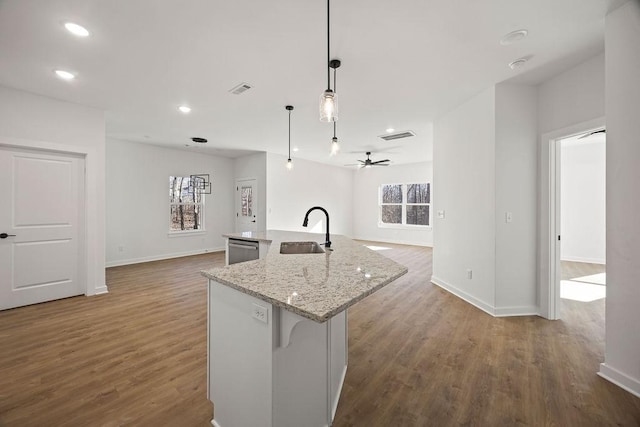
[[133, 357], [418, 356], [570, 269]]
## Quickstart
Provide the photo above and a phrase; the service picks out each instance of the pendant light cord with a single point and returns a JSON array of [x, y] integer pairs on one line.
[[328, 48], [334, 91]]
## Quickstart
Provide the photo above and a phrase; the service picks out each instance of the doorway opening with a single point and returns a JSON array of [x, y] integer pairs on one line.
[[582, 217], [576, 227]]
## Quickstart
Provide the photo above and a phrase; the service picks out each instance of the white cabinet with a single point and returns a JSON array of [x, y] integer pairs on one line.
[[287, 371]]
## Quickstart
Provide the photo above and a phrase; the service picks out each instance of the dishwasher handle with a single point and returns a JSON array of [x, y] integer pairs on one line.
[[235, 245]]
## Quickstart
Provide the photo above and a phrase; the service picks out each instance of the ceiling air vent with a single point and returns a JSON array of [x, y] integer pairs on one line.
[[242, 87], [397, 135]]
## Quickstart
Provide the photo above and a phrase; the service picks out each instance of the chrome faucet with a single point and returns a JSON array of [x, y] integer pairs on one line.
[[327, 243]]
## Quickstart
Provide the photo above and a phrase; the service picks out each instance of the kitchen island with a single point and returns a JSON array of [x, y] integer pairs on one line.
[[277, 329]]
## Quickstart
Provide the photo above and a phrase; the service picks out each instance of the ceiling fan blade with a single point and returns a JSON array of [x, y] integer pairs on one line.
[[380, 161], [588, 134]]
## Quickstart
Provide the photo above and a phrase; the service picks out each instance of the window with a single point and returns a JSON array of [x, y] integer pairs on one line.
[[186, 205], [405, 204]]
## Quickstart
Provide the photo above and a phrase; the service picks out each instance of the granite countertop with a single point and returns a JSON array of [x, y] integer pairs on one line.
[[262, 236], [315, 286]]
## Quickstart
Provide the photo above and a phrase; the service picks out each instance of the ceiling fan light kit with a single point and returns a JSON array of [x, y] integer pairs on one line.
[[369, 163]]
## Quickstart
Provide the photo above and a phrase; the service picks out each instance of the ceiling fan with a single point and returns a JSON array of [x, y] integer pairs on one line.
[[588, 134], [368, 163]]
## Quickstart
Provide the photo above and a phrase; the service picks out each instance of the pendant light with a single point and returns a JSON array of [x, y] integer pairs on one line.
[[328, 99], [335, 147], [289, 108]]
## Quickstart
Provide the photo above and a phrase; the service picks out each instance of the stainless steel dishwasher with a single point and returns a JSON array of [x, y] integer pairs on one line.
[[243, 250]]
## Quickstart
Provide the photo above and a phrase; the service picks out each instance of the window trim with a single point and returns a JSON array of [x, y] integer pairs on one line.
[[184, 233], [404, 204]]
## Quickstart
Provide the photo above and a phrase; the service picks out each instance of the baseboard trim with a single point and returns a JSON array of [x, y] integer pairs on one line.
[[587, 260], [393, 241], [517, 311], [120, 262], [101, 290], [625, 382], [463, 295]]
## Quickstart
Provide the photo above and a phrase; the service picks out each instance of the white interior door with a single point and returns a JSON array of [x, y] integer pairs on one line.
[[42, 216], [246, 205]]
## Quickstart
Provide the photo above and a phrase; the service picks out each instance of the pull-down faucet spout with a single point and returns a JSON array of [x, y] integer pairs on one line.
[[327, 243]]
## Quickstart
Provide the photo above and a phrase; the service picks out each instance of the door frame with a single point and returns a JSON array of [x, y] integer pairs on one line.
[[255, 197], [549, 214], [91, 245]]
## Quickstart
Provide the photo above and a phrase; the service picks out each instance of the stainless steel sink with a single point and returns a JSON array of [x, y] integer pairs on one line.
[[300, 248]]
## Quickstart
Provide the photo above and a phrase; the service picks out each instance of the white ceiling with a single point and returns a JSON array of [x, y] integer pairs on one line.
[[403, 63]]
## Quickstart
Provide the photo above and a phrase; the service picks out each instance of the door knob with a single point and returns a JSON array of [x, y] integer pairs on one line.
[[5, 235]]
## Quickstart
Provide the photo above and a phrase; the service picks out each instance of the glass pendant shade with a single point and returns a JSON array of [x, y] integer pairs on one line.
[[335, 147], [289, 164], [329, 106]]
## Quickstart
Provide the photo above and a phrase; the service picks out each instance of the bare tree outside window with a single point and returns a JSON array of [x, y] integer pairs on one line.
[[186, 205], [405, 204], [391, 206], [418, 197]]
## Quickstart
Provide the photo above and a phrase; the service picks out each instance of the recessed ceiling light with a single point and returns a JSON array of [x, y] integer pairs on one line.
[[65, 75], [513, 37], [389, 130], [77, 30], [199, 140], [518, 63], [185, 109]]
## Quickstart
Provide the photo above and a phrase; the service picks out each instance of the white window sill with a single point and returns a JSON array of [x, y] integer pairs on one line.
[[404, 226], [187, 233]]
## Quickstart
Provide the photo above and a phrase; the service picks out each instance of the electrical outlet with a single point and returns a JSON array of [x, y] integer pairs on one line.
[[469, 274], [259, 312], [508, 217]]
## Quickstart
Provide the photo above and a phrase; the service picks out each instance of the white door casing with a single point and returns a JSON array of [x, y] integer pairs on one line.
[[246, 205], [549, 209], [44, 211]]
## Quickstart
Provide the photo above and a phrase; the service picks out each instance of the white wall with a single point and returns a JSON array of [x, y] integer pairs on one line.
[[290, 193], [33, 121], [366, 184], [622, 349], [575, 96], [516, 192], [464, 188], [138, 202], [254, 166], [583, 200]]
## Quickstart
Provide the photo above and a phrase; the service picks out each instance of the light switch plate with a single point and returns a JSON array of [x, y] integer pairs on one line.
[[441, 214]]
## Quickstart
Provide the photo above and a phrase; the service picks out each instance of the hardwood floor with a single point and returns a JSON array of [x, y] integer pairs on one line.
[[570, 269], [418, 356], [133, 357]]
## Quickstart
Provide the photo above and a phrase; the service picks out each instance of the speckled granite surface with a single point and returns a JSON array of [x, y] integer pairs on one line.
[[263, 236], [316, 286]]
